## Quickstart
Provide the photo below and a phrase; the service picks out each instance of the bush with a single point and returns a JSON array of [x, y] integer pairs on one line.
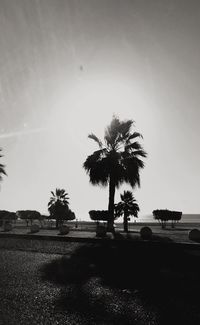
[[28, 215], [194, 234], [99, 215], [7, 226], [34, 228], [100, 231], [64, 230], [163, 216], [146, 233]]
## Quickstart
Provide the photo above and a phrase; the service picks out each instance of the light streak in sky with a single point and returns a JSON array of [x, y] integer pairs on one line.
[[21, 133]]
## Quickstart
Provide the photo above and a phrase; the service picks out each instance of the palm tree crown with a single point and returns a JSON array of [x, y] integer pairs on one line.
[[127, 207], [118, 159], [59, 196], [58, 205], [2, 168]]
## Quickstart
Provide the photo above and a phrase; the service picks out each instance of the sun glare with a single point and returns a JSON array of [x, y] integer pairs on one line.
[[90, 104]]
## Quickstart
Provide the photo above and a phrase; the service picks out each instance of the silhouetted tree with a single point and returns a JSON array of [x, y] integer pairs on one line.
[[165, 215], [7, 216], [58, 205], [98, 215], [2, 168], [28, 215], [69, 215], [127, 207], [118, 160]]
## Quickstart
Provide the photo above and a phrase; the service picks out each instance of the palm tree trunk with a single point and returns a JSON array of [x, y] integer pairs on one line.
[[125, 222], [110, 224]]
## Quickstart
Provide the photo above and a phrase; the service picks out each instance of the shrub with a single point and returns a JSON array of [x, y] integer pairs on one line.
[[64, 230], [100, 231], [146, 233], [34, 228], [28, 215], [165, 215], [7, 226], [7, 217], [194, 234], [99, 215]]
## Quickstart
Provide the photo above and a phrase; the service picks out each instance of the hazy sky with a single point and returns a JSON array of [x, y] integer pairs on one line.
[[67, 65]]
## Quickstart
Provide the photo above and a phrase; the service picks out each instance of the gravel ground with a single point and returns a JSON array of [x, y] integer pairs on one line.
[[26, 298], [96, 285]]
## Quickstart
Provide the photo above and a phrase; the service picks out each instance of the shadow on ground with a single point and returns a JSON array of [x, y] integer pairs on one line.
[[128, 283]]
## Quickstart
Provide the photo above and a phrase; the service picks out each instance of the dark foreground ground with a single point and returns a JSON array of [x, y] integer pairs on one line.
[[106, 283]]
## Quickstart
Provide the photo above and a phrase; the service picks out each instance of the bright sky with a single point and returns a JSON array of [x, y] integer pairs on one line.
[[67, 66]]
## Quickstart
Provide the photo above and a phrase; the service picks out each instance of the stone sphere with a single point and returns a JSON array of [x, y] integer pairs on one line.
[[194, 234], [64, 230], [146, 233], [34, 228], [7, 227]]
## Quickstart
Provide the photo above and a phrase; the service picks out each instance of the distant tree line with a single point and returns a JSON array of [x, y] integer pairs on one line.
[[29, 216], [163, 216]]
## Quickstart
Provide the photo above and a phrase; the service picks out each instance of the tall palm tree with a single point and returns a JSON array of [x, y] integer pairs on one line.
[[2, 168], [118, 160], [58, 205], [127, 207]]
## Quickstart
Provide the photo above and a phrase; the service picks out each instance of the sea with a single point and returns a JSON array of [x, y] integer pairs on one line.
[[186, 218]]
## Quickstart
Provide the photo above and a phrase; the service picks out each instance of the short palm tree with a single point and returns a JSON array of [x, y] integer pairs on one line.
[[2, 168], [118, 160], [58, 205], [127, 207]]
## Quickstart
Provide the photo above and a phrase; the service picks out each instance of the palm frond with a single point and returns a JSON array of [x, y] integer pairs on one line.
[[140, 153], [112, 132], [127, 196], [2, 168], [134, 135], [125, 128], [133, 146], [93, 159], [96, 139]]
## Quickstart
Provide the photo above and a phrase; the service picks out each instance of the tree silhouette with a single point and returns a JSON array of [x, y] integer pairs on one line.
[[127, 207], [2, 168], [58, 205], [118, 160]]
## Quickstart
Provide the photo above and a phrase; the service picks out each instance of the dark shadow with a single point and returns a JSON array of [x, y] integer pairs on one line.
[[155, 238], [195, 240], [161, 277], [176, 229]]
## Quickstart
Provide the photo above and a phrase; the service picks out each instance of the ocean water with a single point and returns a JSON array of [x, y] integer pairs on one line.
[[186, 218]]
